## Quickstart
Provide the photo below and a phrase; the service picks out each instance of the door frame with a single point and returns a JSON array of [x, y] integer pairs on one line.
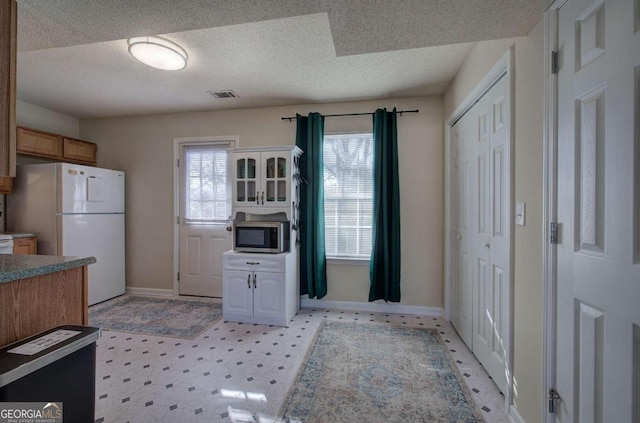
[[504, 67], [177, 143], [549, 204]]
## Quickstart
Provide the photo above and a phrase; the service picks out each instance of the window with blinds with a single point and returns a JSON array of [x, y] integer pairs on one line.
[[348, 195], [206, 190]]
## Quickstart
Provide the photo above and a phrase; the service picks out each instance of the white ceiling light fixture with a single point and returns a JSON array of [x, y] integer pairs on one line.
[[158, 53]]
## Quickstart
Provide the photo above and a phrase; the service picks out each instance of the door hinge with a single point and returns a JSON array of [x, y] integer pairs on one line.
[[177, 220], [554, 62], [177, 162], [554, 232], [552, 397], [178, 276]]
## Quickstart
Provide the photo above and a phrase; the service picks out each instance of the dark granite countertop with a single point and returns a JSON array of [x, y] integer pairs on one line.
[[20, 235], [14, 267]]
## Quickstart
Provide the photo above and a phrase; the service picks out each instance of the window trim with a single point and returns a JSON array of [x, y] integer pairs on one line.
[[182, 157], [350, 260]]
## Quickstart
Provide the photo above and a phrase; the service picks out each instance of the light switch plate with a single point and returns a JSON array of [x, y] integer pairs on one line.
[[520, 212]]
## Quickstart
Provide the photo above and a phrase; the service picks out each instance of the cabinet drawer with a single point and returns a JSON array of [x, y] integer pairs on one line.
[[38, 143], [25, 246], [77, 150], [254, 262]]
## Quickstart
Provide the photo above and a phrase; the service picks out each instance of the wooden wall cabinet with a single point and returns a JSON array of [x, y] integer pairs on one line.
[[52, 146], [8, 48], [25, 246], [39, 144], [82, 151]]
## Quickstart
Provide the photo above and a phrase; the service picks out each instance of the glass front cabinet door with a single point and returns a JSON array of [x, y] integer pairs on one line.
[[261, 179], [276, 176], [246, 172]]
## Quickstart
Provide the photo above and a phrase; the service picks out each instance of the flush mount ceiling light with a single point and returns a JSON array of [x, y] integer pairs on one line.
[[158, 53]]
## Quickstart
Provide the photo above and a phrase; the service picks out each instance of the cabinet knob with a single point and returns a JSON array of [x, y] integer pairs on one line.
[[486, 245]]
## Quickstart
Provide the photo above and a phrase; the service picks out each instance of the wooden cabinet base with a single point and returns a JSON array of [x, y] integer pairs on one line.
[[32, 305]]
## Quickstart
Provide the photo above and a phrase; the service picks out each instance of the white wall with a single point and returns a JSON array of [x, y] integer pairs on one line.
[[142, 147], [36, 117], [528, 282]]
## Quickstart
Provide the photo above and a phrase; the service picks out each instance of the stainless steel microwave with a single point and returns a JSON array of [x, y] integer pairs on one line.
[[261, 237]]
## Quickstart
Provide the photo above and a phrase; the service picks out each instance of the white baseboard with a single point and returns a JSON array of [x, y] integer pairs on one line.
[[514, 415], [375, 307], [152, 292]]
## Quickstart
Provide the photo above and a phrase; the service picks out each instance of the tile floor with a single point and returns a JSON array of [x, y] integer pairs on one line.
[[237, 372]]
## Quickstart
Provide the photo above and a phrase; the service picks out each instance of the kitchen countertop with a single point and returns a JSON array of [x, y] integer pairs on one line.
[[19, 235], [13, 267]]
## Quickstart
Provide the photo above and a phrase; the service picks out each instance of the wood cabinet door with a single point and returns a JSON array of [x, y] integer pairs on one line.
[[6, 184], [8, 49], [80, 151], [25, 246], [41, 144]]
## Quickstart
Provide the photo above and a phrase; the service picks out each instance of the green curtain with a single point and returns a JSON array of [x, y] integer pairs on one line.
[[313, 272], [384, 267]]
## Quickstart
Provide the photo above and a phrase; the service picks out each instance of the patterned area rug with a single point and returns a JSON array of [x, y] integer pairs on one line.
[[156, 316], [370, 373]]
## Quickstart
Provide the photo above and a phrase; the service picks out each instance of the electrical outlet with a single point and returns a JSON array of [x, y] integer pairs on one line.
[[520, 212]]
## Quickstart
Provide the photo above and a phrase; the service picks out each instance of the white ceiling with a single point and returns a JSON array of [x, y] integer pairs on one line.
[[73, 54]]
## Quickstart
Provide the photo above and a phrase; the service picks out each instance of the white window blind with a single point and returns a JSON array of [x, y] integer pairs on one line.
[[348, 194], [206, 191]]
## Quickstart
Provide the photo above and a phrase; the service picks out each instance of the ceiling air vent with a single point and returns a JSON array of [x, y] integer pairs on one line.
[[223, 94]]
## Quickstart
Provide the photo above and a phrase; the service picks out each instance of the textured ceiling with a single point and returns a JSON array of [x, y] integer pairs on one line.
[[73, 54]]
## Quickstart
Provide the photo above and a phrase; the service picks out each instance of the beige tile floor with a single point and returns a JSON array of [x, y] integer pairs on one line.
[[237, 372]]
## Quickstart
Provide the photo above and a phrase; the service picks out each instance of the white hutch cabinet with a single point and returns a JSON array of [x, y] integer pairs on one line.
[[263, 178], [260, 288], [263, 288]]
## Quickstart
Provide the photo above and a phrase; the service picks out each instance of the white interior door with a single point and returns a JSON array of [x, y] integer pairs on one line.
[[481, 296], [205, 209], [598, 279]]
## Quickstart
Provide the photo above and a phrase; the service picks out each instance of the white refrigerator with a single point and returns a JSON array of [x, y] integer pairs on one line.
[[74, 210]]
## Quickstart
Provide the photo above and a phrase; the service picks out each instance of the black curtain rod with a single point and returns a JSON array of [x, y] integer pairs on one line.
[[290, 118]]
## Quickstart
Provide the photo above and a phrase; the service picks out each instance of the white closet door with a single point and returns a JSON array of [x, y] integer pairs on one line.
[[492, 241], [461, 304], [480, 294]]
